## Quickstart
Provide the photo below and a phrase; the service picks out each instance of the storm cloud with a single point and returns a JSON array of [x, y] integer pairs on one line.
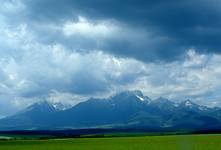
[[67, 51], [168, 28]]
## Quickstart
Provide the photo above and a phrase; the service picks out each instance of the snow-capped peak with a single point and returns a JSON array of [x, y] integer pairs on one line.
[[188, 103], [60, 106], [139, 97]]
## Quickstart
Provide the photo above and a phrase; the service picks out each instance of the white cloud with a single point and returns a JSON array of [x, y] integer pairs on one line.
[[195, 60], [38, 71], [84, 27], [197, 78], [102, 30], [31, 70], [34, 70]]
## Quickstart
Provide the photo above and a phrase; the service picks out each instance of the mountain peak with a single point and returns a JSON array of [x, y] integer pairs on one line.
[[164, 103], [188, 103], [162, 99], [135, 95], [41, 105], [61, 106], [139, 95], [124, 108]]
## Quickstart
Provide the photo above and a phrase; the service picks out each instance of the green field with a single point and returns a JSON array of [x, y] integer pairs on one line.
[[173, 142]]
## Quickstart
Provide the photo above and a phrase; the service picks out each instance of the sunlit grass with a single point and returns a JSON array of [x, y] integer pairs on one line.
[[175, 142]]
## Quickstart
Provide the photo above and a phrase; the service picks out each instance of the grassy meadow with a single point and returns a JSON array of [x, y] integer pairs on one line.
[[172, 142]]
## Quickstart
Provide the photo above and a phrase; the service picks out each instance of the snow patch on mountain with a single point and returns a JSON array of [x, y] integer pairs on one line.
[[188, 103], [141, 98], [61, 107]]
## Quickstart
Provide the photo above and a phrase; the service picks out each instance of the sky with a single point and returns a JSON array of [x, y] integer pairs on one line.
[[69, 50]]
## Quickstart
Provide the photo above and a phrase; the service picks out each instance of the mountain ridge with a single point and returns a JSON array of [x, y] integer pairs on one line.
[[129, 109]]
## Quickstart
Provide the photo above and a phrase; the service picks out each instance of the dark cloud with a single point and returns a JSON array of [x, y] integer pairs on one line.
[[174, 25], [97, 47]]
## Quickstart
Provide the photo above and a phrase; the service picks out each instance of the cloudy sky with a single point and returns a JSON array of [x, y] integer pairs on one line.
[[69, 50]]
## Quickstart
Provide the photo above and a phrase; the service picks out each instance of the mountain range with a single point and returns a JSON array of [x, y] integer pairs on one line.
[[129, 109]]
